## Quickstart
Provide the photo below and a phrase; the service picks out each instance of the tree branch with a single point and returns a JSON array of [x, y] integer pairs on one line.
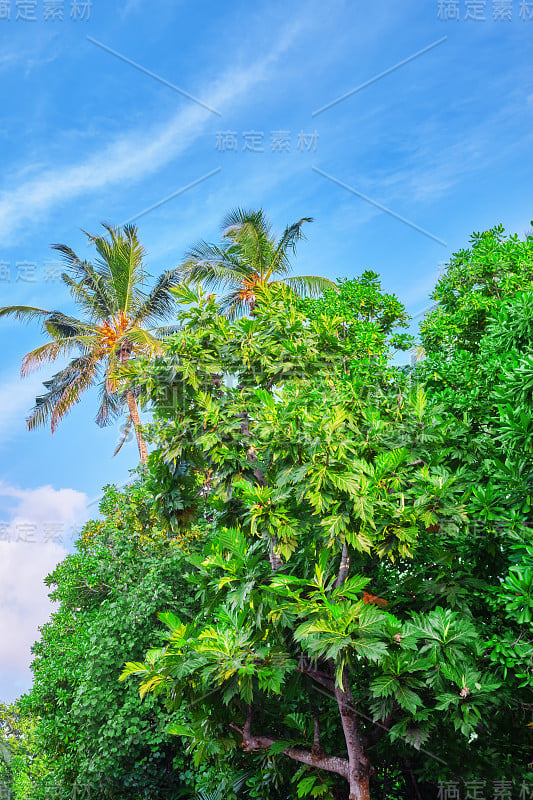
[[252, 743], [344, 569], [320, 677]]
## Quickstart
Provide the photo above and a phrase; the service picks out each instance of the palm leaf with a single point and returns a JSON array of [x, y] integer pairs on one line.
[[111, 406], [166, 331], [309, 285], [160, 302], [23, 313], [57, 386], [213, 266], [124, 438], [87, 277], [238, 217], [83, 379], [291, 235], [121, 264], [44, 354], [234, 306], [253, 241], [85, 297], [61, 326]]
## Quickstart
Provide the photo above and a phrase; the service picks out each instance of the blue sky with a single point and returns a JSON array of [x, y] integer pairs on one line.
[[443, 142]]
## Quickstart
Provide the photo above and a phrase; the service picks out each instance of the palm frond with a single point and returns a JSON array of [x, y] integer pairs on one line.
[[58, 384], [204, 259], [45, 354], [86, 298], [127, 430], [61, 326], [143, 339], [166, 331], [309, 285], [111, 406], [250, 231], [160, 302], [23, 313], [218, 274], [289, 239], [241, 216], [82, 380], [234, 306], [85, 274], [120, 262]]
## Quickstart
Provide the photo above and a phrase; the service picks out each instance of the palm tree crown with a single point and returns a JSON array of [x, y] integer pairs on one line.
[[249, 257], [117, 322]]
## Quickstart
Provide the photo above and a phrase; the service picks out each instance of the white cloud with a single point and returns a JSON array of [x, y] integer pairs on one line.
[[44, 514], [130, 7], [24, 599], [24, 602], [17, 56], [137, 154]]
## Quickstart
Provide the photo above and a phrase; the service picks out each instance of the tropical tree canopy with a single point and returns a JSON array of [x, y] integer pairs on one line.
[[478, 371], [338, 549], [249, 257], [346, 601], [119, 320]]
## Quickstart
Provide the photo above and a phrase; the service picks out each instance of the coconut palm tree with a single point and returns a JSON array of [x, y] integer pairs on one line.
[[116, 324], [249, 257]]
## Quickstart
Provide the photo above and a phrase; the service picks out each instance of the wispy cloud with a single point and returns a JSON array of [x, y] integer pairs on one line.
[[130, 7], [437, 162], [135, 155], [16, 57]]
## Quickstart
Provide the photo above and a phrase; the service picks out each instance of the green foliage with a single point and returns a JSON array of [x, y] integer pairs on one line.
[[18, 752], [370, 316], [328, 556], [91, 734], [478, 370], [475, 283], [305, 463]]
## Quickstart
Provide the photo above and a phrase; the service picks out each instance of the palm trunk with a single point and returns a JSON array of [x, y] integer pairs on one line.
[[134, 411], [135, 418]]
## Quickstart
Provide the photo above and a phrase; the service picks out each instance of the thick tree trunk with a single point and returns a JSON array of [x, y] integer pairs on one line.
[[358, 765], [135, 418]]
